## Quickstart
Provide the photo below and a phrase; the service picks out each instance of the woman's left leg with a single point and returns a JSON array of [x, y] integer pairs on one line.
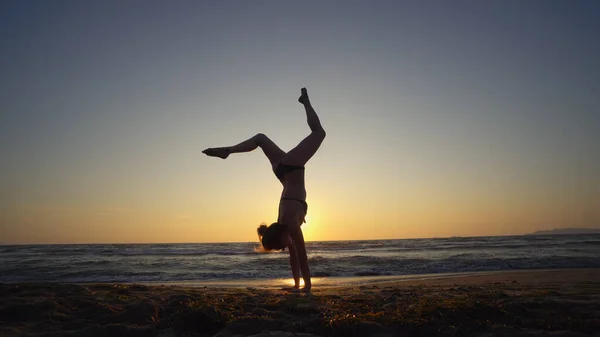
[[299, 155]]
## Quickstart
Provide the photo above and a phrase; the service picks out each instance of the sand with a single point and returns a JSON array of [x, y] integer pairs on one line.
[[532, 303]]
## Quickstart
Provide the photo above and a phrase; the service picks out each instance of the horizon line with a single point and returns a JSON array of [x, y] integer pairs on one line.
[[594, 231]]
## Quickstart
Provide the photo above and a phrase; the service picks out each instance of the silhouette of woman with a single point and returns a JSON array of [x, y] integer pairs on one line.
[[289, 169]]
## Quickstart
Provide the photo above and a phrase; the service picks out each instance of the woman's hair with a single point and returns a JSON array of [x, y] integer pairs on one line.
[[270, 237]]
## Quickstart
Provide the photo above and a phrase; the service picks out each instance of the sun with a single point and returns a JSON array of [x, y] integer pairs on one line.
[[317, 222], [309, 227]]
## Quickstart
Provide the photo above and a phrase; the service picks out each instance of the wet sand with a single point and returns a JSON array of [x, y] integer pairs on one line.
[[525, 303]]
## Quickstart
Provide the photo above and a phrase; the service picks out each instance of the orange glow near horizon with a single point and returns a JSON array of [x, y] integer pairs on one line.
[[330, 217]]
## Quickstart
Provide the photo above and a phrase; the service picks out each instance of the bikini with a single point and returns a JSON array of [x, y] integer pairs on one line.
[[283, 169]]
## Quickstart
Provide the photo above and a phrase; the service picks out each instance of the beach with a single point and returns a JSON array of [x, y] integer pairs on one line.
[[509, 303]]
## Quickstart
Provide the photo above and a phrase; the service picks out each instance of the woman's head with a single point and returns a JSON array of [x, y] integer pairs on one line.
[[272, 237]]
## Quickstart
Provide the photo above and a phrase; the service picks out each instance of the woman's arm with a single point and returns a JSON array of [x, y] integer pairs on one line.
[[298, 238], [294, 264]]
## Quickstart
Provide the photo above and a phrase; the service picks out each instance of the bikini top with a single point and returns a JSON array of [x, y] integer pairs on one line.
[[283, 169]]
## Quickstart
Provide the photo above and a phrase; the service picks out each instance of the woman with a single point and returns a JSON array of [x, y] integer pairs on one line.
[[289, 169]]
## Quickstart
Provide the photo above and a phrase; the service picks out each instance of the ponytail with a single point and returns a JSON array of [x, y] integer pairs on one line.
[[262, 230]]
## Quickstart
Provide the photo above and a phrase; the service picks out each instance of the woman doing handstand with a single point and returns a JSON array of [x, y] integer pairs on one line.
[[289, 169]]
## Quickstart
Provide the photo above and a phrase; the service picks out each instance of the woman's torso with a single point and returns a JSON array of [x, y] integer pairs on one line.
[[293, 185], [292, 181], [291, 212]]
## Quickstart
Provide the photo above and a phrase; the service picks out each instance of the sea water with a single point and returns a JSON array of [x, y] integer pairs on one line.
[[238, 263]]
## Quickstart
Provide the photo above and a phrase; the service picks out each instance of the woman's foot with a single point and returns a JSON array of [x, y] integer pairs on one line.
[[221, 152], [303, 97]]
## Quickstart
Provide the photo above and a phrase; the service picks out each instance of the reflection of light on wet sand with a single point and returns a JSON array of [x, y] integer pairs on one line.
[[290, 282], [330, 282]]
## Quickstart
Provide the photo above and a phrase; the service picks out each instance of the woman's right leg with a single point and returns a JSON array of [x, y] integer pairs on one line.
[[270, 149]]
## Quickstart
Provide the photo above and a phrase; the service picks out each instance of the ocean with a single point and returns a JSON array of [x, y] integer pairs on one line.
[[238, 262]]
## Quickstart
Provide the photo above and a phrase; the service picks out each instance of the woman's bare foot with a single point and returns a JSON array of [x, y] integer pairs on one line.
[[306, 289], [303, 97], [221, 152]]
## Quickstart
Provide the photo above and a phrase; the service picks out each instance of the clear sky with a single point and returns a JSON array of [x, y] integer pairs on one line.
[[443, 117]]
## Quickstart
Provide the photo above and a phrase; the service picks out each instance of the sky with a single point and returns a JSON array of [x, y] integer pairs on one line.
[[461, 118]]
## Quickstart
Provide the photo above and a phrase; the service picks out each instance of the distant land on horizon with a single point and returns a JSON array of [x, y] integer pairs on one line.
[[567, 231]]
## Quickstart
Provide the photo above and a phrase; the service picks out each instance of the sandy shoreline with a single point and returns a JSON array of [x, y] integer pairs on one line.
[[356, 281], [516, 303]]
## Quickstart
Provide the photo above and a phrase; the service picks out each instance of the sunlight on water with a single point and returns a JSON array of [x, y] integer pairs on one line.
[[237, 262]]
